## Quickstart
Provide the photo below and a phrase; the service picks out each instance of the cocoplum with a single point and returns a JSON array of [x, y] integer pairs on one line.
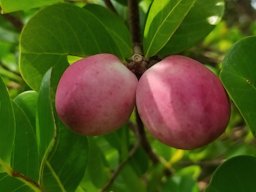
[[182, 103], [96, 95]]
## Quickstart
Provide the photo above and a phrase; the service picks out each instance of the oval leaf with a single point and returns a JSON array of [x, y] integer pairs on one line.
[[27, 101], [199, 22], [70, 31], [8, 183], [66, 163], [25, 152], [115, 26], [238, 77], [46, 127], [164, 18], [236, 174], [7, 128], [14, 5]]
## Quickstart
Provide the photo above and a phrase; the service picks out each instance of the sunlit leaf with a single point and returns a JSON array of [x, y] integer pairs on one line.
[[199, 22], [164, 18], [238, 77], [70, 31], [14, 5]]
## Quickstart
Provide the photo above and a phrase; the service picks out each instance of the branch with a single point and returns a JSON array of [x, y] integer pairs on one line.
[[144, 142], [134, 21], [121, 166], [16, 22], [147, 147], [109, 4]]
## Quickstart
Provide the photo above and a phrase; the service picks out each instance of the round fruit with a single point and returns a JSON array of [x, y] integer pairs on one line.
[[182, 103], [96, 95]]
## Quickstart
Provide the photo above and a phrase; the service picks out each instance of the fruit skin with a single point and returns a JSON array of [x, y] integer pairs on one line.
[[182, 103], [96, 95]]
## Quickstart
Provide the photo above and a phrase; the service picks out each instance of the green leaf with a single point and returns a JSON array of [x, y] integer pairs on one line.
[[46, 128], [8, 183], [115, 26], [7, 128], [164, 18], [66, 164], [119, 140], [70, 31], [27, 101], [238, 77], [14, 5], [236, 174], [128, 181], [25, 153], [97, 173], [183, 183], [201, 20]]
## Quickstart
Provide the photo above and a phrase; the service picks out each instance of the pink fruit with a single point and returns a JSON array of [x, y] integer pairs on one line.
[[96, 95], [182, 103]]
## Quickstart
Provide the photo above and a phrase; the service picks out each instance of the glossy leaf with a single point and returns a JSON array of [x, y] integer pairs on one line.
[[199, 22], [118, 30], [66, 163], [70, 31], [11, 184], [238, 77], [7, 126], [164, 18], [27, 101], [14, 5], [25, 153], [46, 128], [236, 174], [97, 174]]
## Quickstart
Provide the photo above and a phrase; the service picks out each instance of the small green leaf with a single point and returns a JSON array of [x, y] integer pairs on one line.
[[201, 20], [70, 31], [66, 163], [25, 152], [164, 18], [7, 128], [27, 101], [238, 77], [236, 174], [115, 26], [14, 5]]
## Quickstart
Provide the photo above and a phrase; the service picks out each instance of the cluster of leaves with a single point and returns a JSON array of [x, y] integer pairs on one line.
[[38, 153]]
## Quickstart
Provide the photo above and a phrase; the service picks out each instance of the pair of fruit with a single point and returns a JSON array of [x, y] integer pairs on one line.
[[180, 101]]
